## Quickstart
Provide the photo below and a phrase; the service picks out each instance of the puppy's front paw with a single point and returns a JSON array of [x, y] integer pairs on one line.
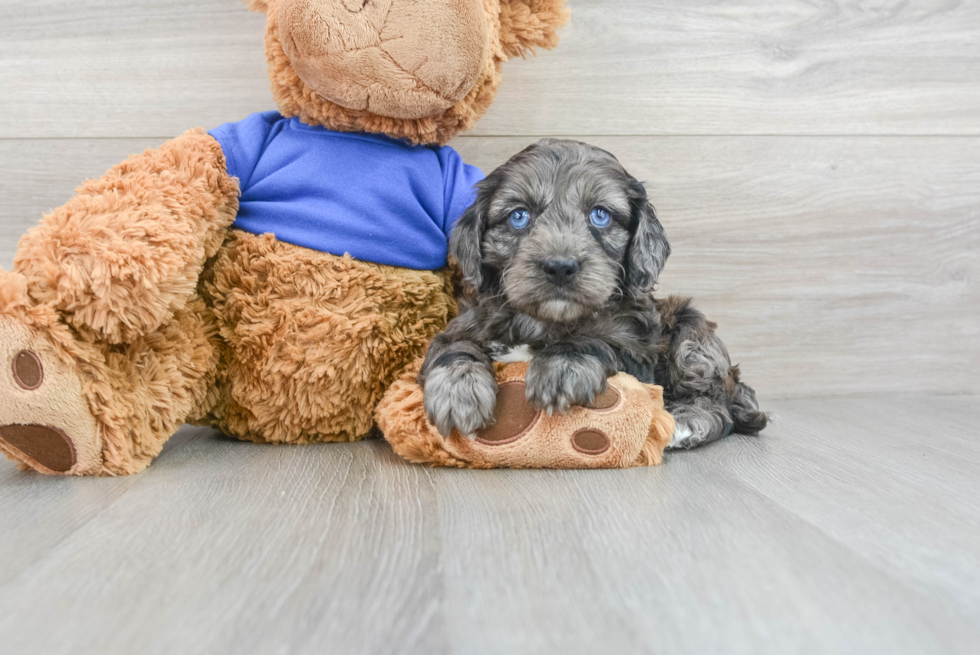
[[557, 383], [460, 395]]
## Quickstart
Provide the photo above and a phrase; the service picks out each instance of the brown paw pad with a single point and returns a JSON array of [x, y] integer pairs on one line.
[[606, 401], [590, 442], [49, 447], [28, 372], [513, 417]]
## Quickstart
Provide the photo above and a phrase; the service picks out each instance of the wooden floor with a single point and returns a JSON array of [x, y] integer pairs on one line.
[[851, 526], [816, 165]]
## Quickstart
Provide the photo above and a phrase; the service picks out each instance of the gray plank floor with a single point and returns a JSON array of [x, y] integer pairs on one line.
[[851, 526]]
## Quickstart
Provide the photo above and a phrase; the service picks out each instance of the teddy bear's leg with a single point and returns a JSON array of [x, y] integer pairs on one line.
[[314, 340], [75, 407], [105, 345]]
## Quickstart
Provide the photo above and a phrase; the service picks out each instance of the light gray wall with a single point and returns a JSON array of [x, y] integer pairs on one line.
[[816, 165]]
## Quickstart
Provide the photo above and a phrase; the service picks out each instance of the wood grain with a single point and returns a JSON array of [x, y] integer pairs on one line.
[[833, 266], [116, 68], [40, 512], [823, 464], [842, 529], [229, 547]]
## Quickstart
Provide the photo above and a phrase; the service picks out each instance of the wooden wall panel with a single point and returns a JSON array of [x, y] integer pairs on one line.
[[111, 68], [833, 266]]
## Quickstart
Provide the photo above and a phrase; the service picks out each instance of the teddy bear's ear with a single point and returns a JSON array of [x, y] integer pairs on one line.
[[526, 25], [261, 6]]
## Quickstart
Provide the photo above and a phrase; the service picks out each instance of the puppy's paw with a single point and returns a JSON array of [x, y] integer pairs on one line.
[[684, 437], [557, 383], [462, 396]]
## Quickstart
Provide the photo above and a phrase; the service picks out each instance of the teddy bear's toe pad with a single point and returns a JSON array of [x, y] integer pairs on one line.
[[591, 442], [28, 371], [606, 401]]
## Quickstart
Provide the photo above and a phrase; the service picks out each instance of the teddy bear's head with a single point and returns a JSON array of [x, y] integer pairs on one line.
[[421, 70]]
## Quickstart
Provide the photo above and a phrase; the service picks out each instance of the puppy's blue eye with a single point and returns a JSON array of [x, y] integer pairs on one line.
[[600, 217], [519, 219]]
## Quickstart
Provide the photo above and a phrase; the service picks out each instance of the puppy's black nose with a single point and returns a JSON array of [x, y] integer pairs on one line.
[[561, 271]]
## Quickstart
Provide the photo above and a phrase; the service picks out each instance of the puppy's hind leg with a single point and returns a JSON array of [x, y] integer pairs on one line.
[[749, 419], [702, 388], [699, 422]]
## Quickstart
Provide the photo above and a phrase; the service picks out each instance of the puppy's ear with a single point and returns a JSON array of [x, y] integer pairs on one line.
[[529, 24], [649, 249], [465, 242]]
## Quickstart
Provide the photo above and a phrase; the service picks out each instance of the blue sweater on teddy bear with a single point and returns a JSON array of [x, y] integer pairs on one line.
[[376, 198]]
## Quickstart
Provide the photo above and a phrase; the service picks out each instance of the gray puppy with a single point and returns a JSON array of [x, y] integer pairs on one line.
[[560, 255]]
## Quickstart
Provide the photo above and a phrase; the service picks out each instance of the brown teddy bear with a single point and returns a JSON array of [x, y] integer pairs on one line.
[[158, 295]]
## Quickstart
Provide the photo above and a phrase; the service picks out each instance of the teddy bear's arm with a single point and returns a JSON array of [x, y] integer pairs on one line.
[[126, 252]]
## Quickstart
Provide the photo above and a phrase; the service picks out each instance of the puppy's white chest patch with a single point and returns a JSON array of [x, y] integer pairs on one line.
[[510, 354]]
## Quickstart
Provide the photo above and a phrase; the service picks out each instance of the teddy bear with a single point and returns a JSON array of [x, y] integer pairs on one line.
[[272, 277]]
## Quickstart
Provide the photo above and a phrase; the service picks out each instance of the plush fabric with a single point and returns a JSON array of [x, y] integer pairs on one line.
[[366, 195], [529, 24], [114, 274], [116, 405], [524, 25], [403, 60], [62, 400], [627, 427], [125, 253], [137, 306], [311, 340]]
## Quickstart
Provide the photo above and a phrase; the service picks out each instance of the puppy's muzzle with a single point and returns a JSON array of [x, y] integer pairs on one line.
[[561, 271]]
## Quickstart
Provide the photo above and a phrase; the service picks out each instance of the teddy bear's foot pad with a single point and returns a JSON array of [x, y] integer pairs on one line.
[[48, 446], [45, 421], [625, 426], [509, 426]]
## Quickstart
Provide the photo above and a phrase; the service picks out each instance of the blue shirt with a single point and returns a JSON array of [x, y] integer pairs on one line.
[[379, 199]]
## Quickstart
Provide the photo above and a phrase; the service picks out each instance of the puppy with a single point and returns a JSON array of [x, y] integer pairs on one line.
[[560, 255]]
